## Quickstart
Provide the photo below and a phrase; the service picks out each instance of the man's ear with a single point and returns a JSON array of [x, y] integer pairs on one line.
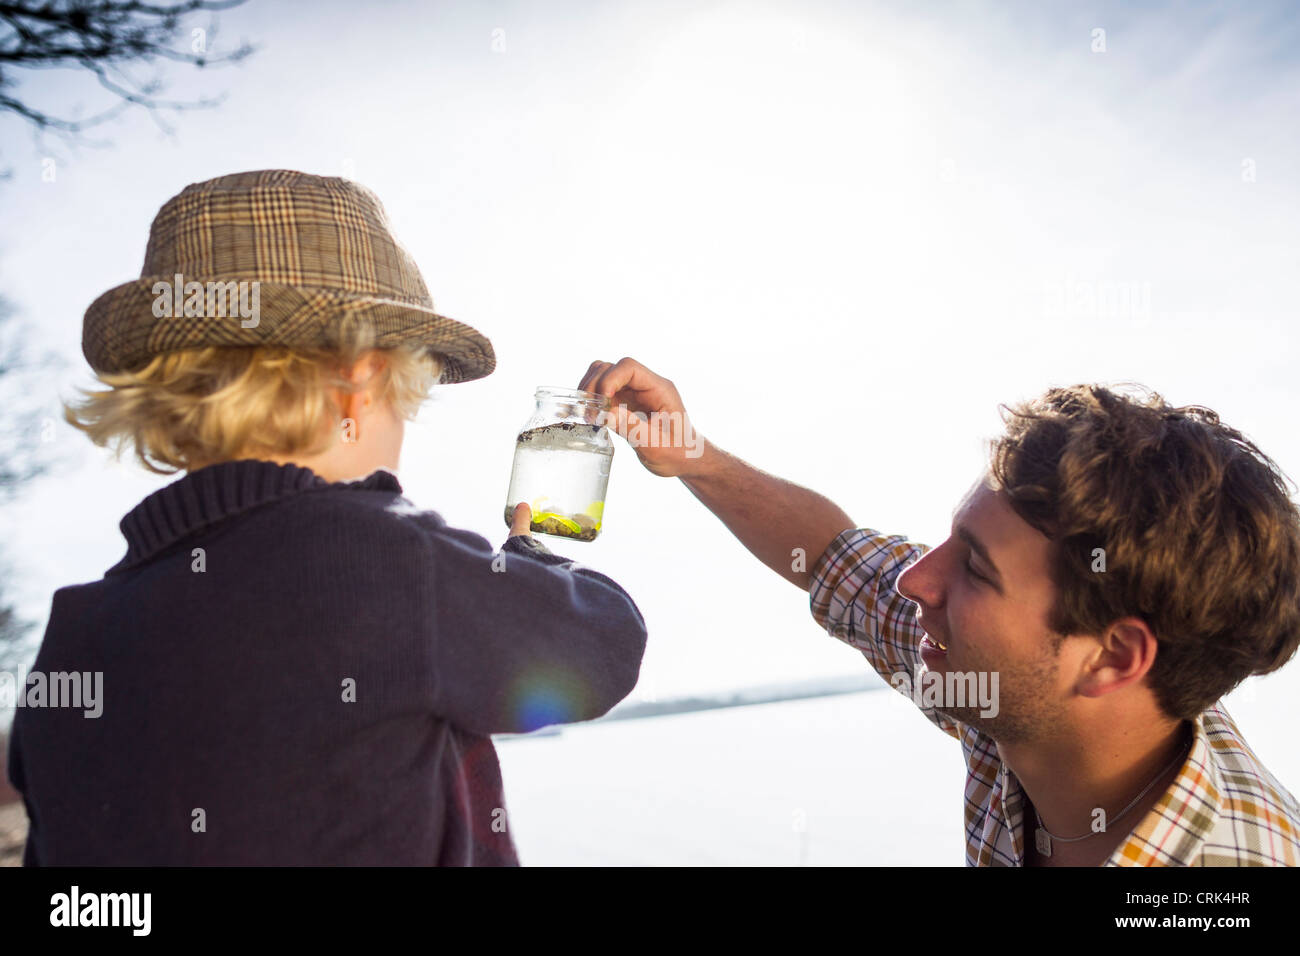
[[1125, 653]]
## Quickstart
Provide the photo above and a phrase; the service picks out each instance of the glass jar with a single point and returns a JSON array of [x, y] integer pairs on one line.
[[562, 458]]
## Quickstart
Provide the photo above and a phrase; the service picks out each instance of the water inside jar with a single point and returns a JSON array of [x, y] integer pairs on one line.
[[562, 473]]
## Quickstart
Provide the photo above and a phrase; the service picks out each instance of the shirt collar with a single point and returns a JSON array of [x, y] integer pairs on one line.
[[1186, 813], [210, 494]]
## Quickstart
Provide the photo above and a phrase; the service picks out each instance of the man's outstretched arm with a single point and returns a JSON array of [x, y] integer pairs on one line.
[[784, 525], [853, 595], [777, 520]]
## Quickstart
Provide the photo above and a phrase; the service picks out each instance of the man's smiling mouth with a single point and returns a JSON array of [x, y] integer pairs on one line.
[[926, 637]]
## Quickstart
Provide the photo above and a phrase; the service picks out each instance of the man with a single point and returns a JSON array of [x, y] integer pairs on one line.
[[1120, 567]]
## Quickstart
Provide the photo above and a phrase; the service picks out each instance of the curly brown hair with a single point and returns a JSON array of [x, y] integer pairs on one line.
[[1198, 534]]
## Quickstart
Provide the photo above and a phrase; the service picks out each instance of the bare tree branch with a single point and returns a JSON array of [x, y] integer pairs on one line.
[[23, 454], [100, 38]]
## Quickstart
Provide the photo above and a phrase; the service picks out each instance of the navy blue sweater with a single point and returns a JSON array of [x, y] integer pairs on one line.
[[304, 672]]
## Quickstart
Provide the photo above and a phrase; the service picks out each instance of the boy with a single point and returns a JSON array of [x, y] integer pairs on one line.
[[294, 664]]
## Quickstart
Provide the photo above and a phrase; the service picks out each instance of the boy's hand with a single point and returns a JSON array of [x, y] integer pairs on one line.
[[522, 519], [645, 403]]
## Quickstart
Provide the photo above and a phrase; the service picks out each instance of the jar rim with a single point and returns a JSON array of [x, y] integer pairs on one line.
[[572, 394]]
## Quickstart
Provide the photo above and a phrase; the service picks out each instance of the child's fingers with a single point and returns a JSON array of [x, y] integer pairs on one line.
[[522, 519]]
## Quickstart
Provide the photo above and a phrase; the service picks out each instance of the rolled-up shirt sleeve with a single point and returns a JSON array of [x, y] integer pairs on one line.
[[854, 597]]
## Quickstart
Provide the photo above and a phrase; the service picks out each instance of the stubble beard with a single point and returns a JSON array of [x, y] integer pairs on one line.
[[1027, 706]]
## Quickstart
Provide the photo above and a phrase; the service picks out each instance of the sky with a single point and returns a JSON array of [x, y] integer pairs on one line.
[[845, 231]]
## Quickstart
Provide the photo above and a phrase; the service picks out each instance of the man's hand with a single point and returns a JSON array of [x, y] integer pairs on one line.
[[648, 413], [784, 525]]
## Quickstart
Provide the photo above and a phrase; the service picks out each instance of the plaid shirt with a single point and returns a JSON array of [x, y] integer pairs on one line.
[[1224, 808]]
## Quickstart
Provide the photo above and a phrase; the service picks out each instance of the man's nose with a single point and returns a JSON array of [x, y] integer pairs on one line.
[[921, 582]]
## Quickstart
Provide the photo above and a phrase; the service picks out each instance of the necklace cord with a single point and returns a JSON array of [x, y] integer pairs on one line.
[[1182, 756]]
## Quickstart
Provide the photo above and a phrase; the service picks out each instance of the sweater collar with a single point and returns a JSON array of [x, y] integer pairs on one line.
[[207, 495]]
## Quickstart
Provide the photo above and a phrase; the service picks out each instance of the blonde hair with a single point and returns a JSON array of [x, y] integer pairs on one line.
[[201, 406]]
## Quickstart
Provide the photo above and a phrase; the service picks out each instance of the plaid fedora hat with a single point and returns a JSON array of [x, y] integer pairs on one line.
[[318, 254]]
